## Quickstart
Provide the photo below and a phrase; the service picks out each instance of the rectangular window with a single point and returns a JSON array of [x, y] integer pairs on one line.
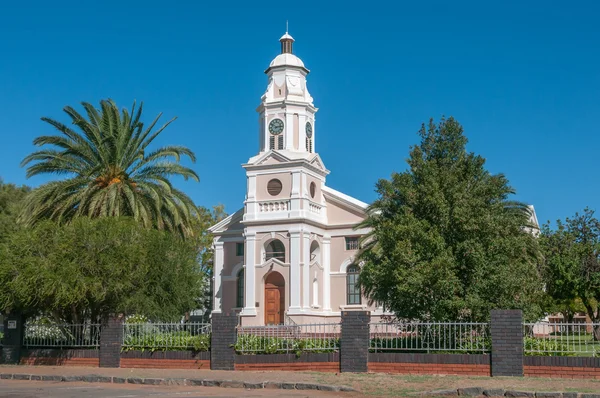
[[239, 249], [354, 296], [352, 243]]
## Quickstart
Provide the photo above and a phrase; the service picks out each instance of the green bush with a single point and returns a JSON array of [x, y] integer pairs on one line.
[[470, 345], [170, 341], [546, 347], [251, 344]]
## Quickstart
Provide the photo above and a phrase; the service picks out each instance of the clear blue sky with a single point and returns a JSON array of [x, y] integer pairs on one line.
[[523, 77]]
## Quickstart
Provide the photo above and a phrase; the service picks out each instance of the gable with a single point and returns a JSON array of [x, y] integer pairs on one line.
[[338, 214], [232, 223]]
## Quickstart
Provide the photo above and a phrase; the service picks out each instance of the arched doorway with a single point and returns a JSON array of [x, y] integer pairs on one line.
[[274, 298]]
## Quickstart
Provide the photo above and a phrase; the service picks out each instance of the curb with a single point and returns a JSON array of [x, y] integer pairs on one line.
[[154, 381], [495, 392]]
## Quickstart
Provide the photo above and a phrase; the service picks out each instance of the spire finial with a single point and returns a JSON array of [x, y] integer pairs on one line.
[[286, 26]]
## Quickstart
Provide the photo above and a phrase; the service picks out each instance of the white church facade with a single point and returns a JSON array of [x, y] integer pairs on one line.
[[289, 251]]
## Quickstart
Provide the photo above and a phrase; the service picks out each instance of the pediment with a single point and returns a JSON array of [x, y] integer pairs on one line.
[[230, 223], [272, 158], [318, 163]]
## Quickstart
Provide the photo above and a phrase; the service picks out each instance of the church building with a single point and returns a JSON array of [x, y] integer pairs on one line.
[[287, 255]]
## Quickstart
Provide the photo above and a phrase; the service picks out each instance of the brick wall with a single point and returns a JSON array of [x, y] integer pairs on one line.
[[59, 357], [354, 341], [318, 362], [507, 342], [446, 364], [165, 360], [562, 367]]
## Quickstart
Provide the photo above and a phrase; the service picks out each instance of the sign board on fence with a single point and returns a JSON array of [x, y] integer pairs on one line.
[[12, 324]]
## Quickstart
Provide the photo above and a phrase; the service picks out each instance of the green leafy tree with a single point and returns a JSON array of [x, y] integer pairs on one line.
[[572, 262], [11, 202], [89, 269], [110, 171], [446, 241]]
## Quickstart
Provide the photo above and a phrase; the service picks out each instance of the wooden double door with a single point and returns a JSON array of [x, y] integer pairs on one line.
[[274, 299]]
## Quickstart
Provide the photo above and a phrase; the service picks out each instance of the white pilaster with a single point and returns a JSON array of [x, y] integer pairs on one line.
[[219, 259], [295, 194], [326, 273], [250, 275], [294, 271], [289, 130], [306, 271]]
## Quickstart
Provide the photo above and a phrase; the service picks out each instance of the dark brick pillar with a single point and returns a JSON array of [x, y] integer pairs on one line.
[[13, 338], [507, 342], [354, 341], [223, 338], [111, 339]]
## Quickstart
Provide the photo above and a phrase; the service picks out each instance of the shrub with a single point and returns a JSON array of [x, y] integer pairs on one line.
[[252, 344], [546, 347]]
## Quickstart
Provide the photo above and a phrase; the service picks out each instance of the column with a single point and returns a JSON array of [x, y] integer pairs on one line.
[[13, 338], [306, 285], [326, 255], [111, 339], [223, 338], [295, 271], [507, 342], [219, 259], [354, 341], [250, 274]]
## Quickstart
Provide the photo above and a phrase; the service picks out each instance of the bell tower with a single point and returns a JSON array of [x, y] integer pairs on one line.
[[287, 112]]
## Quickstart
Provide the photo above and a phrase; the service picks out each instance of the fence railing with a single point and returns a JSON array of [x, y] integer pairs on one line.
[[166, 336], [294, 338], [61, 335], [562, 339], [467, 337]]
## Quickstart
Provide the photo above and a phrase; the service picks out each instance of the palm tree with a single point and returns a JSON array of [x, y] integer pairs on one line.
[[110, 171]]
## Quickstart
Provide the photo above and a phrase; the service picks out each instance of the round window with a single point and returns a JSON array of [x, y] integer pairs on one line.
[[313, 189], [274, 187]]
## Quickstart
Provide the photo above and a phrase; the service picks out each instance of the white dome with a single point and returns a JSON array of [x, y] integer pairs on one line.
[[286, 36], [287, 60]]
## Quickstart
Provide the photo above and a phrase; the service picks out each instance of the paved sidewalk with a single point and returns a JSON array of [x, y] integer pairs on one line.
[[367, 383]]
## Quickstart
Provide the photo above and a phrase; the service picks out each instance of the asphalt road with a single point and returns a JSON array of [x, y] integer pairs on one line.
[[36, 389]]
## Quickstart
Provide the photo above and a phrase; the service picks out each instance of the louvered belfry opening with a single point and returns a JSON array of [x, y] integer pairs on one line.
[[286, 46]]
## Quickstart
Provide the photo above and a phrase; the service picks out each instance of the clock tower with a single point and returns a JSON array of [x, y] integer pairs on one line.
[[287, 112]]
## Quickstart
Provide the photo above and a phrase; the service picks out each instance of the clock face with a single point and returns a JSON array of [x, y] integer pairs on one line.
[[308, 129], [276, 126]]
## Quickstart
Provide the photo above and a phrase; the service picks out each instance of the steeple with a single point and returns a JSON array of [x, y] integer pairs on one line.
[[287, 112]]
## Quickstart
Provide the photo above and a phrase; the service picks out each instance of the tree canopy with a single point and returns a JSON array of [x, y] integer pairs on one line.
[[11, 203], [110, 170], [89, 269], [447, 242], [572, 263]]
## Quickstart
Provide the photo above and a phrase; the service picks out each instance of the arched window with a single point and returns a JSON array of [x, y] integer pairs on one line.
[[239, 301], [275, 249], [315, 252], [352, 291]]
